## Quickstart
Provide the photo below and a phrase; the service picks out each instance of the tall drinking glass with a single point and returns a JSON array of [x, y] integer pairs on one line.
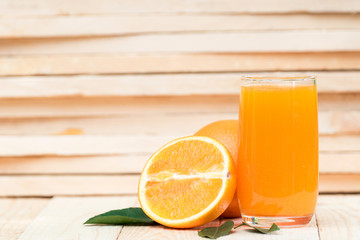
[[278, 150]]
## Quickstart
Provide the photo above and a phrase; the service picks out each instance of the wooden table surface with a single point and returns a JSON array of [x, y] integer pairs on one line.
[[337, 217]]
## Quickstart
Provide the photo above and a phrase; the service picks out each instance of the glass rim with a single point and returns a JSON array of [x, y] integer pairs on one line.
[[278, 79]]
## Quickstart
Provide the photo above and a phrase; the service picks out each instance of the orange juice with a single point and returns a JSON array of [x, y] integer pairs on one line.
[[278, 152]]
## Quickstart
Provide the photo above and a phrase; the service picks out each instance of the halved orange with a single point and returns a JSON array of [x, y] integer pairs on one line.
[[188, 182]]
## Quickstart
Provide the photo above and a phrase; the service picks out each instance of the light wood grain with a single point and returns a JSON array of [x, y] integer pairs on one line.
[[161, 232], [87, 185], [71, 107], [81, 145], [167, 63], [120, 106], [343, 162], [339, 143], [339, 122], [339, 102], [16, 214], [82, 7], [68, 185], [123, 164], [78, 145], [339, 183], [338, 217], [109, 25], [46, 165], [148, 124], [158, 232], [330, 123], [159, 85], [63, 218], [290, 41]]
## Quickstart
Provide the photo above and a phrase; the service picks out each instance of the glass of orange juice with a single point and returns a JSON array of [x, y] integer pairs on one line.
[[278, 150]]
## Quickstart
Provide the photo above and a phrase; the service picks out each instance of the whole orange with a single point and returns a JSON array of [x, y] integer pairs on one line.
[[227, 133]]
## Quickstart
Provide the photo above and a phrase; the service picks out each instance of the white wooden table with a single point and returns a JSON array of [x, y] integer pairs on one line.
[[337, 217]]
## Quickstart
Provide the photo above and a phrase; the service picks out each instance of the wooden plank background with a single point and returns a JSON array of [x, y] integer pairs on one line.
[[89, 90]]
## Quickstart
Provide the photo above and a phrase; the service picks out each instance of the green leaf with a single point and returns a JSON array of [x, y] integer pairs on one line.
[[273, 228], [216, 232], [127, 216], [239, 225]]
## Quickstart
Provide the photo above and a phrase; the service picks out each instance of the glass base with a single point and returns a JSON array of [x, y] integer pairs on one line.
[[266, 222]]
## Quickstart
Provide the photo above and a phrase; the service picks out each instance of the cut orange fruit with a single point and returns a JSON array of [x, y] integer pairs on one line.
[[188, 182], [226, 132]]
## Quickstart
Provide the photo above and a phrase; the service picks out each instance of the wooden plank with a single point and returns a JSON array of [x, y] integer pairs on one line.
[[80, 145], [283, 41], [339, 183], [167, 63], [338, 216], [68, 185], [122, 106], [159, 85], [16, 214], [60, 107], [73, 145], [156, 124], [334, 163], [339, 102], [85, 185], [339, 143], [64, 218], [161, 232], [344, 162], [82, 7], [117, 164], [104, 25], [330, 123], [339, 122], [120, 164]]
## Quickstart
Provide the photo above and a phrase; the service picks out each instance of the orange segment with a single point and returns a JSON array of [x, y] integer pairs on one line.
[[208, 159], [188, 182], [162, 202]]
